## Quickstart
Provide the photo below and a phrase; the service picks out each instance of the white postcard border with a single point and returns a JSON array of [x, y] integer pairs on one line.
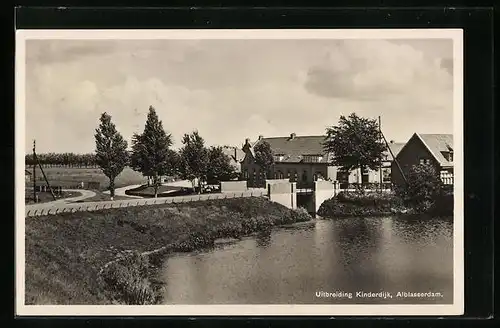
[[457, 308]]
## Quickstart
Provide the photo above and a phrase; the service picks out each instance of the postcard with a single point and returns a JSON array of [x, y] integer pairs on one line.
[[239, 172]]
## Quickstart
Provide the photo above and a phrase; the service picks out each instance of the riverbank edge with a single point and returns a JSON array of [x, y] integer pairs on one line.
[[376, 205], [143, 285], [132, 275]]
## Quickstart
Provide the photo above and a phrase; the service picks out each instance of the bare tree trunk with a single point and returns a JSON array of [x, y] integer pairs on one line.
[[155, 183], [112, 188]]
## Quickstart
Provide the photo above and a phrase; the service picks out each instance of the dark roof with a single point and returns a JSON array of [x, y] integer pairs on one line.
[[293, 149], [299, 145], [437, 143]]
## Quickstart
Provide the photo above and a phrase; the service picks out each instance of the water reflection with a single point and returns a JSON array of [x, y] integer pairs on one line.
[[290, 265]]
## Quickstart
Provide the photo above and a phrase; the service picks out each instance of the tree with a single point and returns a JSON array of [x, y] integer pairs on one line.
[[264, 157], [423, 187], [172, 165], [150, 150], [219, 166], [355, 143], [111, 150], [194, 158]]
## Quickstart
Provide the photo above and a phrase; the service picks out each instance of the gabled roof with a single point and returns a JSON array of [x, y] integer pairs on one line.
[[395, 148], [293, 149], [437, 143]]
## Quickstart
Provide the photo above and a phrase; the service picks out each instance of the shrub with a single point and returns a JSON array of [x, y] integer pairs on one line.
[[128, 281], [355, 204], [423, 188]]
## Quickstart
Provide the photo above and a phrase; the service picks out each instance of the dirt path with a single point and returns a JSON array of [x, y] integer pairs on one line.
[[63, 201]]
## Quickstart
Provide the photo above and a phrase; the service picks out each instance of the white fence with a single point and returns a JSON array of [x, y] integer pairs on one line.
[[447, 177], [47, 209]]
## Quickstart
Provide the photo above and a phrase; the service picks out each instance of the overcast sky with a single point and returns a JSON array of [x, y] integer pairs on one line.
[[233, 89]]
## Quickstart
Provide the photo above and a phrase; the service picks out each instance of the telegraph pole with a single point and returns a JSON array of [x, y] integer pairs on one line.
[[34, 172]]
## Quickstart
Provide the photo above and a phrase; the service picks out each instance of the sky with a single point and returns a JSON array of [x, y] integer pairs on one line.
[[230, 90]]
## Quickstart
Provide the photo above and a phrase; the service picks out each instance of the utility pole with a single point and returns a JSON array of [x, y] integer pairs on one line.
[[380, 167], [34, 172]]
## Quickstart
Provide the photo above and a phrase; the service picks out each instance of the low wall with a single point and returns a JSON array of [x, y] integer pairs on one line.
[[284, 193], [323, 190], [275, 181], [233, 186], [47, 209]]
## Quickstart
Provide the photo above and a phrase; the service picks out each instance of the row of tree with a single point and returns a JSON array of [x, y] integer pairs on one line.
[[152, 155], [63, 159]]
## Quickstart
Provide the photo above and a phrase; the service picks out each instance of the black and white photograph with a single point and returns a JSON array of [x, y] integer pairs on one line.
[[239, 172]]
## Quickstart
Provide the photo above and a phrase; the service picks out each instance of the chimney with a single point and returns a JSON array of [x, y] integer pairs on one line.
[[235, 154], [392, 141], [261, 137], [292, 136], [247, 141]]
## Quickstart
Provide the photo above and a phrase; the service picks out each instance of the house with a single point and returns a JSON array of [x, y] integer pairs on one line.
[[389, 155], [236, 155], [434, 149], [302, 159], [27, 175]]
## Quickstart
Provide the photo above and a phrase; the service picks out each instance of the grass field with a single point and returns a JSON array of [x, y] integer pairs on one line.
[[100, 196], [65, 252], [71, 177], [44, 197], [163, 191]]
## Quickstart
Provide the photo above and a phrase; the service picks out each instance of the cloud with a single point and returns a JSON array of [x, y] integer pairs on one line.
[[375, 70], [231, 89]]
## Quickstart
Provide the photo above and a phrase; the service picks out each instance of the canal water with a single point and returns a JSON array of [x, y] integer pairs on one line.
[[342, 261]]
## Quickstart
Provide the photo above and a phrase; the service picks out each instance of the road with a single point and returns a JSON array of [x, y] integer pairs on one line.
[[63, 201]]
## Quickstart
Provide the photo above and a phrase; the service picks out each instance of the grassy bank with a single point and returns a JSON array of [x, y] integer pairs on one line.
[[68, 256], [380, 204]]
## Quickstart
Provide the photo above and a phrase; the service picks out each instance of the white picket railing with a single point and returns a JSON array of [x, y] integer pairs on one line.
[[46, 209]]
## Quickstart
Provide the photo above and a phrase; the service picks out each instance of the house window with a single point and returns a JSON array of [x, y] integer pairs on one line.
[[386, 175], [295, 177], [245, 174], [280, 175], [312, 158], [424, 161]]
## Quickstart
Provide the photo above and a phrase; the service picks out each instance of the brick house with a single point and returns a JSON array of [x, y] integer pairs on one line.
[[302, 159], [434, 149]]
